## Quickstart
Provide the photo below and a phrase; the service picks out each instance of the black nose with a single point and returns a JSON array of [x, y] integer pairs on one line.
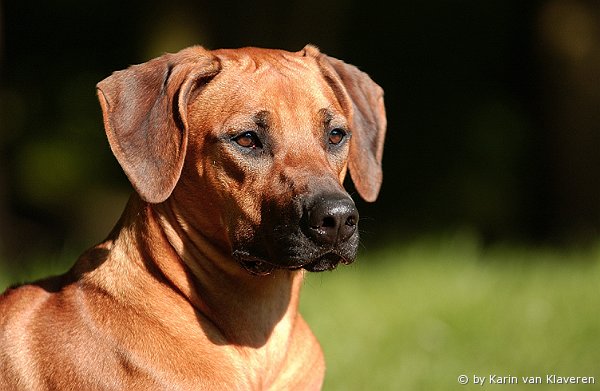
[[332, 219]]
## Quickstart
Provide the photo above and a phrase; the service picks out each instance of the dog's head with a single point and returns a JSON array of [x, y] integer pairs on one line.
[[251, 146]]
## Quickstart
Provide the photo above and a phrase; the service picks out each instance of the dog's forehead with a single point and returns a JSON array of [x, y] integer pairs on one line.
[[266, 69], [253, 56], [283, 83]]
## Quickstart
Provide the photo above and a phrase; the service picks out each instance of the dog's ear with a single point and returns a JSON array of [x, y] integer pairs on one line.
[[145, 117], [363, 99]]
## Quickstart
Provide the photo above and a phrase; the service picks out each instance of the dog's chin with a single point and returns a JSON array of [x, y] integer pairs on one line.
[[327, 262], [261, 267]]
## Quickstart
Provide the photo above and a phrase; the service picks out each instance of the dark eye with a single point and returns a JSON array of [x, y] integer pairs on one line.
[[336, 136], [248, 140]]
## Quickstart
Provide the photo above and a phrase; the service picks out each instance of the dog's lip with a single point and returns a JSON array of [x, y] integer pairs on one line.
[[255, 265], [328, 260]]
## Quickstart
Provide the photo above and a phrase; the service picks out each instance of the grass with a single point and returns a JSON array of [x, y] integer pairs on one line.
[[416, 316]]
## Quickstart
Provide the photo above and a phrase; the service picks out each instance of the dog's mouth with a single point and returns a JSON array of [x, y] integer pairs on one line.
[[260, 267], [327, 262], [254, 265]]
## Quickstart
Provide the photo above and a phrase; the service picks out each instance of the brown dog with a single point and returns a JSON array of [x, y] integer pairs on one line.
[[238, 159]]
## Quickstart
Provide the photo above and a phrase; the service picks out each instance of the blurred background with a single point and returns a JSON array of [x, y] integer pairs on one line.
[[493, 109], [488, 223]]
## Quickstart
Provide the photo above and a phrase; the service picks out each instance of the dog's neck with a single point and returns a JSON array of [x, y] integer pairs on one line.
[[246, 310]]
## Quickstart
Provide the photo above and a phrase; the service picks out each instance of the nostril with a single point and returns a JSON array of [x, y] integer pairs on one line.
[[351, 221], [329, 222]]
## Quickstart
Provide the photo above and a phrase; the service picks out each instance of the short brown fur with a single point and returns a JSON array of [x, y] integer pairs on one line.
[[163, 302]]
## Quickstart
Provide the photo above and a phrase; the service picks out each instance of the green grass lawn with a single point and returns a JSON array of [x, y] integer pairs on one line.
[[416, 316]]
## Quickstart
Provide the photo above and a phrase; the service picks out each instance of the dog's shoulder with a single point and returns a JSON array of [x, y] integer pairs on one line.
[[19, 309], [20, 301]]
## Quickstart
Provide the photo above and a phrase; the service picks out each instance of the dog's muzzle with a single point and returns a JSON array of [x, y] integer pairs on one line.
[[324, 235]]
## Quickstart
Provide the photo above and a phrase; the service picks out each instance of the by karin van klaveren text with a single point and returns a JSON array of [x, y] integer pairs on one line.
[[546, 379]]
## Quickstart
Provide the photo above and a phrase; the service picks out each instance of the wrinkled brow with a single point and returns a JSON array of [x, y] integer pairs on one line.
[[326, 115], [262, 118]]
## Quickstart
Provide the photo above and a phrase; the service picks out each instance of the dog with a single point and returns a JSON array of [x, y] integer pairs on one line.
[[237, 158]]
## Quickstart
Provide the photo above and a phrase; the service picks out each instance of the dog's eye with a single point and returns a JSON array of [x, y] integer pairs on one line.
[[336, 136], [248, 140]]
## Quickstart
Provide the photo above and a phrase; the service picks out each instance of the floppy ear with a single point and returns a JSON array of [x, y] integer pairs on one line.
[[362, 98], [145, 117]]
